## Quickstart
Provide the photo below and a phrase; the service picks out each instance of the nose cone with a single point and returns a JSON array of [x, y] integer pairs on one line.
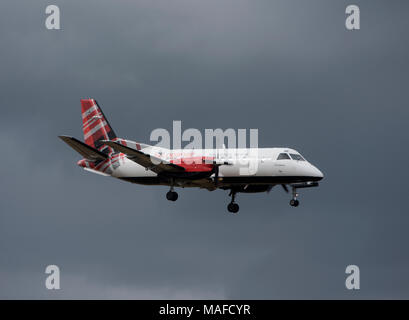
[[316, 173], [309, 172]]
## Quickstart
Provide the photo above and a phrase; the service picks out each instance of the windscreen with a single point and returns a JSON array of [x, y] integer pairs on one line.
[[296, 156], [283, 156]]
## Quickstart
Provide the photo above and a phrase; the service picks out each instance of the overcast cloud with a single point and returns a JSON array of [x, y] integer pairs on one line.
[[287, 68]]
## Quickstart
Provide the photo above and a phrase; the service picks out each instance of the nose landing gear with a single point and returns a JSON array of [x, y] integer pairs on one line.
[[232, 206], [294, 202]]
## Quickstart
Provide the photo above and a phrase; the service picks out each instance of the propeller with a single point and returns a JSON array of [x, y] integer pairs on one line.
[[285, 188], [216, 175]]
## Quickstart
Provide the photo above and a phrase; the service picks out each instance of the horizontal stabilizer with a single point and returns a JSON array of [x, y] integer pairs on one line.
[[96, 172], [83, 149], [148, 161]]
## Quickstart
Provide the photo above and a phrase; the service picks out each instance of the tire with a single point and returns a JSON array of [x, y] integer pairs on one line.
[[230, 207], [233, 207], [294, 203], [172, 196]]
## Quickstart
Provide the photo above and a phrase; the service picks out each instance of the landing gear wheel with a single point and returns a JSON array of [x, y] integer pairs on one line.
[[294, 203], [172, 195], [233, 207]]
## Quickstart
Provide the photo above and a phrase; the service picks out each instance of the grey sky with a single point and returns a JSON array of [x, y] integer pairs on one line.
[[288, 68]]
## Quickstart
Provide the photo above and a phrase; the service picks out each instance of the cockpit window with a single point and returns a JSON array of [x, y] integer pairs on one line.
[[283, 156], [296, 156]]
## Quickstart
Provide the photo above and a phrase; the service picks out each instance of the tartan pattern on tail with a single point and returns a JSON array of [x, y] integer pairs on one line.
[[95, 126]]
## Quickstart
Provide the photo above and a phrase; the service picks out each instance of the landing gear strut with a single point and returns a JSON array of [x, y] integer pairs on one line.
[[172, 195], [232, 206], [294, 202]]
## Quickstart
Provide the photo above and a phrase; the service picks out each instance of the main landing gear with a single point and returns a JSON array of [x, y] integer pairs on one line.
[[232, 206], [294, 202], [172, 195]]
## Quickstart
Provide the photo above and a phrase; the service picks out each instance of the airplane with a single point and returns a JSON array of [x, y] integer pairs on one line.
[[228, 169]]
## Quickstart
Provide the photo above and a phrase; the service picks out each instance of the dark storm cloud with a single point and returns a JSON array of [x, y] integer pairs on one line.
[[288, 68]]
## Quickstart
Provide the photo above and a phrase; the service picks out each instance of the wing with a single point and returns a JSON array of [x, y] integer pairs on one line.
[[150, 162], [204, 184], [83, 149]]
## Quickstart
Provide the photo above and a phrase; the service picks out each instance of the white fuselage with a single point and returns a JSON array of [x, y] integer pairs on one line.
[[238, 170], [246, 166]]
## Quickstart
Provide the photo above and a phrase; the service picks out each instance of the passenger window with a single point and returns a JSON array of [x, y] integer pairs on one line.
[[296, 157], [283, 156]]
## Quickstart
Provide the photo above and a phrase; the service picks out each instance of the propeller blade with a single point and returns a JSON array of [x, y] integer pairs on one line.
[[216, 176], [285, 188]]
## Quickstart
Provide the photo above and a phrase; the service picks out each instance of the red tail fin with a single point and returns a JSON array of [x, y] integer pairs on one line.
[[95, 126]]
